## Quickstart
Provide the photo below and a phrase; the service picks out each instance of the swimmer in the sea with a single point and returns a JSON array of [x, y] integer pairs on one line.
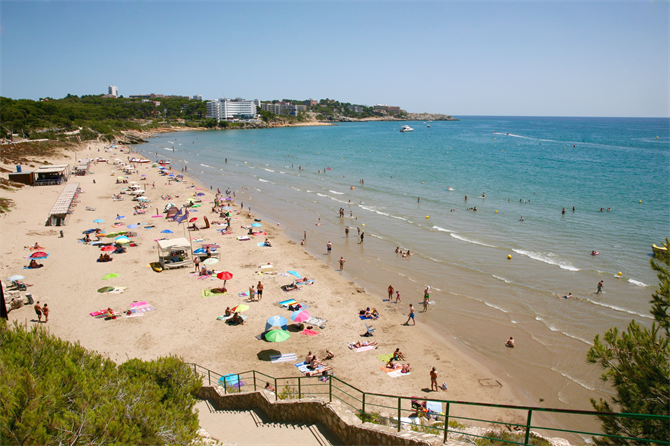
[[521, 219]]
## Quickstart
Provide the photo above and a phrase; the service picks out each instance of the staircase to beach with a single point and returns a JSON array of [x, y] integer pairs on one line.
[[252, 427]]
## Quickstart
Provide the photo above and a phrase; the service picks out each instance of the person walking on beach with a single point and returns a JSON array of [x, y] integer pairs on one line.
[[38, 311], [390, 290], [433, 379], [600, 287], [259, 289], [45, 310], [397, 297], [410, 316], [342, 263], [362, 236], [329, 247], [346, 231]]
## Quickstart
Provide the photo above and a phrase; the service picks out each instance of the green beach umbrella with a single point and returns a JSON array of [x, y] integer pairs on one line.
[[105, 289], [110, 276], [277, 335]]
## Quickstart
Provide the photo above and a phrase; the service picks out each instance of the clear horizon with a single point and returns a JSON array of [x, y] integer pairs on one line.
[[599, 59]]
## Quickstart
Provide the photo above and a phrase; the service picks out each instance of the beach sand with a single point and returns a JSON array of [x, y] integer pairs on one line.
[[185, 324]]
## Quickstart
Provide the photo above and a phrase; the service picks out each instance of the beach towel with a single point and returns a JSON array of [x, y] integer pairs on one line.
[[204, 277], [244, 294], [288, 302], [263, 244], [309, 332], [212, 292], [433, 406], [304, 368], [140, 307], [286, 357], [316, 321], [385, 358], [397, 373], [364, 317], [366, 348], [223, 318], [198, 240]]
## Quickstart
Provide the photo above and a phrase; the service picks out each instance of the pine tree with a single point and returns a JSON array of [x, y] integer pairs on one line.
[[637, 363]]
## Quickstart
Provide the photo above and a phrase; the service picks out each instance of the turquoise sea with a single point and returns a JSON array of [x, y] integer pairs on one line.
[[527, 167]]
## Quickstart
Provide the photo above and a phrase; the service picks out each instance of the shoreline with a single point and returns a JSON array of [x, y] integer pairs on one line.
[[190, 335]]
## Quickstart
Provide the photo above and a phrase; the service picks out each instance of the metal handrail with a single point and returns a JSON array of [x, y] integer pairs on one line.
[[364, 402]]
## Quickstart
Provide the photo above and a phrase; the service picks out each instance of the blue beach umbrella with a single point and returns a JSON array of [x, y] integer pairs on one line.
[[132, 226], [166, 231], [98, 220], [295, 274], [277, 321], [200, 194], [256, 225], [119, 217]]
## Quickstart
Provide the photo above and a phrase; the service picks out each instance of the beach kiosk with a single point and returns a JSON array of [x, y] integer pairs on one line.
[[174, 253]]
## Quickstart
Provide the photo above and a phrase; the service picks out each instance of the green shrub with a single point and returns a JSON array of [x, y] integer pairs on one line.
[[499, 438], [56, 392]]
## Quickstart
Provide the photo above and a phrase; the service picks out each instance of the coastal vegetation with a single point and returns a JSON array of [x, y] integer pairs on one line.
[[56, 392], [637, 363]]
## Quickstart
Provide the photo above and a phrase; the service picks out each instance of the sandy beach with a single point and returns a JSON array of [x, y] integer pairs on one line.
[[184, 323]]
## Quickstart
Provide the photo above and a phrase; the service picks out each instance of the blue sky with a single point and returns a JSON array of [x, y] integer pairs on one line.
[[476, 58]]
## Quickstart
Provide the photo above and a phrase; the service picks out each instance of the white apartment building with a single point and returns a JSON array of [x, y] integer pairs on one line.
[[225, 108], [197, 97], [113, 91]]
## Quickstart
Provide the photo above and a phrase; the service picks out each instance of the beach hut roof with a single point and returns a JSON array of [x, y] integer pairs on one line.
[[172, 244]]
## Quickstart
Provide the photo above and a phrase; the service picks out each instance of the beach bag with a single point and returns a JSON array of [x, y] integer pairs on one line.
[[444, 386]]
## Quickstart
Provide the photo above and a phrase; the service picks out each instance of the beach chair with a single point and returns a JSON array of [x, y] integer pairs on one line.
[[369, 331]]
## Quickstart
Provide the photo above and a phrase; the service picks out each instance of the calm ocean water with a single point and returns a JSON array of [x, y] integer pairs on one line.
[[526, 167]]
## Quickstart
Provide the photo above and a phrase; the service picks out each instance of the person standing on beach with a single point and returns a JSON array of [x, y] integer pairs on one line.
[[346, 231], [359, 230], [342, 263], [196, 262], [45, 310], [329, 247], [390, 290], [433, 379], [259, 289], [410, 316], [426, 298], [38, 311], [304, 236], [600, 287], [362, 236], [252, 293], [397, 297]]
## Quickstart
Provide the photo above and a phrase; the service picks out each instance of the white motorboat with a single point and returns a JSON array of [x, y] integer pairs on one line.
[[406, 128]]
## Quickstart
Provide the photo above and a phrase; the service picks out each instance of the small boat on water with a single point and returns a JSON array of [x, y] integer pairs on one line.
[[406, 128], [660, 251]]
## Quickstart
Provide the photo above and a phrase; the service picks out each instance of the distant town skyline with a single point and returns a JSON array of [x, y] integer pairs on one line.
[[479, 58]]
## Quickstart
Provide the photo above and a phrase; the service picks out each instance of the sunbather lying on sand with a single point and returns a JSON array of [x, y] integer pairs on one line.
[[360, 344], [33, 264], [324, 371], [36, 246]]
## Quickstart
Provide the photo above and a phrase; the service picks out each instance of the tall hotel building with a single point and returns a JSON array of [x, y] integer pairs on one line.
[[226, 108]]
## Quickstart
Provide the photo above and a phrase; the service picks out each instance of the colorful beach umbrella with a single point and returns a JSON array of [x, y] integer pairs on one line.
[[295, 274], [166, 231], [200, 194], [110, 276], [240, 308], [300, 316], [132, 226], [193, 219], [225, 276], [210, 261], [277, 335], [107, 248], [277, 321], [98, 220], [119, 217], [122, 240]]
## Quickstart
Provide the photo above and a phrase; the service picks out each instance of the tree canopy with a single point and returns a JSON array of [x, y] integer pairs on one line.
[[56, 392], [637, 363]]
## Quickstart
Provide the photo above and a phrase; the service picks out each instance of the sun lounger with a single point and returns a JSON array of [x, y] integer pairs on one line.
[[286, 357]]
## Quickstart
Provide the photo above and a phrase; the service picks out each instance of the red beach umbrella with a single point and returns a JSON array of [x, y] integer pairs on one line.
[[38, 254], [193, 219], [107, 248], [225, 276]]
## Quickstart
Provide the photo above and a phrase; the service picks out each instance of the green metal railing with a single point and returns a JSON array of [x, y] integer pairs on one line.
[[373, 407]]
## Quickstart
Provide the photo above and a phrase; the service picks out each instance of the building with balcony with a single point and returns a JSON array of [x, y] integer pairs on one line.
[[226, 108]]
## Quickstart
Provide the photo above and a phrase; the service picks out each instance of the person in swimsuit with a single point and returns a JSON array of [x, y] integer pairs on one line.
[[342, 263], [411, 315], [259, 289], [45, 311], [38, 311], [390, 290]]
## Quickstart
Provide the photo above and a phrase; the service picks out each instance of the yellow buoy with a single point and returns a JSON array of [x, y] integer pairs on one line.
[[509, 257], [363, 224], [640, 201], [427, 216], [619, 274], [352, 188], [496, 212]]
